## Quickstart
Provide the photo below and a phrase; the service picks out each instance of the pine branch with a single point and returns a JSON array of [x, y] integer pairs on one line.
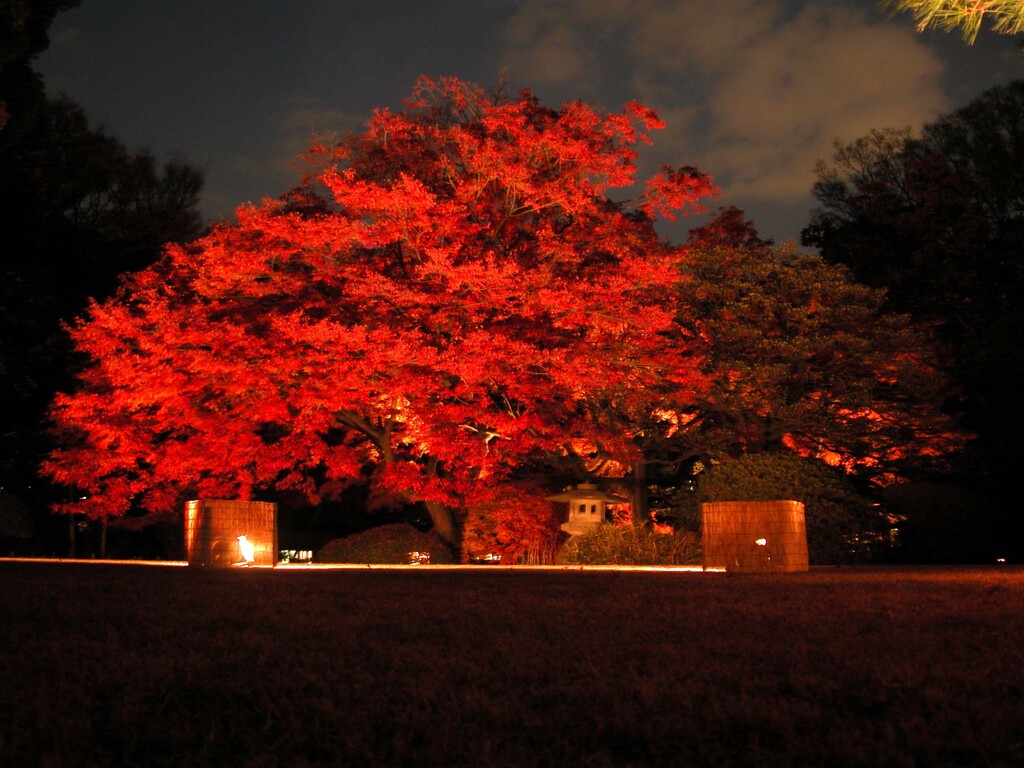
[[1006, 16]]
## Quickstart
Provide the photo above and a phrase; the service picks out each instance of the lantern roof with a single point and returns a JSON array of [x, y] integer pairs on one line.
[[587, 491]]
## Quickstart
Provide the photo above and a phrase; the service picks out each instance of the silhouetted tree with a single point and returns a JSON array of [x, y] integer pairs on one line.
[[938, 220], [79, 210]]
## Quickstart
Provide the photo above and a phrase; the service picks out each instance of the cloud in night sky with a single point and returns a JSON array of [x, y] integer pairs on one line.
[[754, 92]]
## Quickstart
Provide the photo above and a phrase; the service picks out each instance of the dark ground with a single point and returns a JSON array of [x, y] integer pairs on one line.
[[105, 664]]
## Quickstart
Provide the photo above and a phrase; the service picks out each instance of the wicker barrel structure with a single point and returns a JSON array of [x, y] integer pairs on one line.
[[755, 536], [213, 527]]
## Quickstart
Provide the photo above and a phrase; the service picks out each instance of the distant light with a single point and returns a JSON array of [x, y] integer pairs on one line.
[[761, 542], [419, 558], [1000, 559]]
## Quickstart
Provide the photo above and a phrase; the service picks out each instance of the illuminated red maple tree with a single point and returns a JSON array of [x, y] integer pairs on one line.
[[438, 302]]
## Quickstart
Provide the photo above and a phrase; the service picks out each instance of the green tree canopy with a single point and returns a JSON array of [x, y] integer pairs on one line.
[[802, 356]]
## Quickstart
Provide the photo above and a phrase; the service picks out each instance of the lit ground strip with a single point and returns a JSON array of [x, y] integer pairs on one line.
[[91, 560], [378, 566]]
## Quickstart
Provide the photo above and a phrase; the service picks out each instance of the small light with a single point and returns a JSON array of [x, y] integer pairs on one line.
[[247, 549], [1000, 559], [761, 542]]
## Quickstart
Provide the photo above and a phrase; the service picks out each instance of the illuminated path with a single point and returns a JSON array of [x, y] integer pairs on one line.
[[375, 566]]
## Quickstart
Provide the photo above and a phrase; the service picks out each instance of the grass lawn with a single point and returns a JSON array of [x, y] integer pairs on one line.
[[137, 665]]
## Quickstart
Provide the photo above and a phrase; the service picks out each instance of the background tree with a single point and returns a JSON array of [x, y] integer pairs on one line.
[[80, 209], [798, 358], [801, 357], [939, 221], [434, 307], [806, 369], [24, 25], [1006, 16]]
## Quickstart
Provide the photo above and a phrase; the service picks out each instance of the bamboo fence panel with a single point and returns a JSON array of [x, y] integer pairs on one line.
[[212, 528], [755, 536]]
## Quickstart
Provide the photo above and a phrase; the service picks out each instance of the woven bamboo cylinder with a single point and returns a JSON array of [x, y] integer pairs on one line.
[[212, 528], [755, 536]]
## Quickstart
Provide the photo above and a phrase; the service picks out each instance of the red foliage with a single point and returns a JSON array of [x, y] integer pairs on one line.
[[519, 525], [431, 307], [728, 229]]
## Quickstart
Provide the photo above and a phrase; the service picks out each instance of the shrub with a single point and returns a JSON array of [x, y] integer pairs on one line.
[[610, 544], [385, 544], [842, 525]]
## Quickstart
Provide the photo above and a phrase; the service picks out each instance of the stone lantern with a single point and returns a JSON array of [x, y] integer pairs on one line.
[[587, 504]]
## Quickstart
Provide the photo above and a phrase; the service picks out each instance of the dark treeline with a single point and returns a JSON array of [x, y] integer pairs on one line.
[[79, 209], [937, 219]]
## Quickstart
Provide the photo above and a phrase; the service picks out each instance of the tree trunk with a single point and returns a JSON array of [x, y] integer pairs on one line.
[[103, 538], [445, 525], [71, 535], [641, 509]]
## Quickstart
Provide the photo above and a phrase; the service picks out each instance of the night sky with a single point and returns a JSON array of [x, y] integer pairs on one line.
[[753, 92]]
